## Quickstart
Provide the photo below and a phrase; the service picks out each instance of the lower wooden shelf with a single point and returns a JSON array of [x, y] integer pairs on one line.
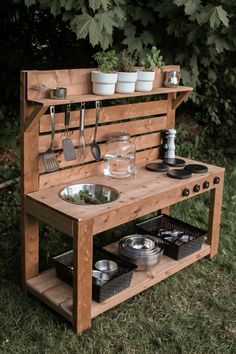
[[59, 296]]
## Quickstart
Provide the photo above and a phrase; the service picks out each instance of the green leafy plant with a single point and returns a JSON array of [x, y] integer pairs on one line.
[[126, 62], [153, 59], [107, 61]]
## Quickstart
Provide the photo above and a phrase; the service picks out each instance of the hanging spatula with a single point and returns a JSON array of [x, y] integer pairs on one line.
[[82, 148], [67, 144], [49, 157]]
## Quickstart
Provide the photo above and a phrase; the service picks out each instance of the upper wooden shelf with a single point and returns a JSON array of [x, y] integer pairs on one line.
[[91, 97]]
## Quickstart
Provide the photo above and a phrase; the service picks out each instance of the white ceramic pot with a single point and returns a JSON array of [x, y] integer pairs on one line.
[[146, 75], [103, 83], [145, 81], [126, 82], [143, 86]]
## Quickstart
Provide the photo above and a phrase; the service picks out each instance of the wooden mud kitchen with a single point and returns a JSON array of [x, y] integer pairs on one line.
[[145, 117]]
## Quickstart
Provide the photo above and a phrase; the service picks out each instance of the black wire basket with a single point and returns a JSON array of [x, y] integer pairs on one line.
[[175, 250], [100, 292]]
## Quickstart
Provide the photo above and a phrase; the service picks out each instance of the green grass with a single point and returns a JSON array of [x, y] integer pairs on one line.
[[192, 312]]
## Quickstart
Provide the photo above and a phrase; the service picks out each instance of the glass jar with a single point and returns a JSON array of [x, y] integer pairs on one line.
[[172, 78], [119, 160]]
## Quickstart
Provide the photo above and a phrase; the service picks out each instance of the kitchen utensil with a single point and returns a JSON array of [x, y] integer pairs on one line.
[[164, 145], [54, 93], [107, 266], [57, 93], [174, 162], [90, 193], [179, 174], [82, 148], [99, 277], [67, 145], [49, 157], [157, 167], [95, 149], [142, 250], [171, 144], [195, 168], [164, 226]]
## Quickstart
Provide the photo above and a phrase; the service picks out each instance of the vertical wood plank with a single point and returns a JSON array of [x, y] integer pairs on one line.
[[214, 217], [29, 183], [82, 282], [165, 210], [170, 123]]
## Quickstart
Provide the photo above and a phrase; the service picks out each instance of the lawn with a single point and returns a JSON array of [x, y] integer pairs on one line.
[[192, 312]]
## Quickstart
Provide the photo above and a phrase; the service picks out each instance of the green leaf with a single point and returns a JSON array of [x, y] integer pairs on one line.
[[186, 77], [223, 16], [134, 44], [30, 2], [147, 38], [205, 14], [119, 15], [70, 4], [191, 6], [106, 21], [138, 14], [192, 35], [97, 4], [84, 25], [106, 41], [212, 76], [179, 2], [55, 7], [218, 16], [219, 43], [194, 68]]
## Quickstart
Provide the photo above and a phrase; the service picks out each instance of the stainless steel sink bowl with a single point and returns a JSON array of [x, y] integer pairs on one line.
[[89, 194]]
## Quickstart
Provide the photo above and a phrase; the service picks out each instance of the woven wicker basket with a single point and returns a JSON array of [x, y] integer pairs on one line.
[[153, 225]]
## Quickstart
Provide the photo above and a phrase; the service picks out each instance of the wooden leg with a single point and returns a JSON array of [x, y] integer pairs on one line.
[[214, 218], [165, 210], [30, 248], [82, 286]]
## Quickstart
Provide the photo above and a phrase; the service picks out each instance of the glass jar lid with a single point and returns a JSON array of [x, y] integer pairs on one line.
[[119, 136]]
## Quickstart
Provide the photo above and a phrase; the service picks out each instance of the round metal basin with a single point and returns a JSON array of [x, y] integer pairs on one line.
[[89, 194]]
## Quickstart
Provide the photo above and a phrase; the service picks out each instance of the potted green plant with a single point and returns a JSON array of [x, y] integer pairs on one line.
[[105, 78], [127, 75], [150, 62]]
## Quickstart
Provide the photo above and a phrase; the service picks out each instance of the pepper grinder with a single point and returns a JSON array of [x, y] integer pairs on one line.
[[171, 143], [164, 145]]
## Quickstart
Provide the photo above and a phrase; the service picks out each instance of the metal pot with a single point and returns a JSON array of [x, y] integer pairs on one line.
[[57, 93], [142, 250]]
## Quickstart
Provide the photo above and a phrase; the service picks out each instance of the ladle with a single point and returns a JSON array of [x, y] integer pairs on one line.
[[95, 149]]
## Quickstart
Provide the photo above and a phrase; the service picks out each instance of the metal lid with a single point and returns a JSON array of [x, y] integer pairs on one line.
[[119, 136]]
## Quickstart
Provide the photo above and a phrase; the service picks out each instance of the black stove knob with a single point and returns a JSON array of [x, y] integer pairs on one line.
[[216, 180], [206, 184], [185, 192], [196, 188]]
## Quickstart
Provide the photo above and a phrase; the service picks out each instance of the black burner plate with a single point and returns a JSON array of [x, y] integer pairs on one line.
[[174, 162], [157, 167], [195, 168], [179, 174]]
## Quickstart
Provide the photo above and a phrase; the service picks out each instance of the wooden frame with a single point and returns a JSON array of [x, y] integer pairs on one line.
[[138, 196]]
